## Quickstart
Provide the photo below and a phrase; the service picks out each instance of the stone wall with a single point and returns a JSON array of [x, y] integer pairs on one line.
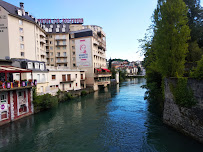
[[186, 120]]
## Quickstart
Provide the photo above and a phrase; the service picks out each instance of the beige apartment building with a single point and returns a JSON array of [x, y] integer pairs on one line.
[[22, 36]]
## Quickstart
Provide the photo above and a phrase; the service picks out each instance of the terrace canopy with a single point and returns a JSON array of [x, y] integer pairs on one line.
[[11, 69]]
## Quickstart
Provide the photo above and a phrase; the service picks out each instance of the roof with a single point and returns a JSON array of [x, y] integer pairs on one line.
[[13, 10], [83, 30], [12, 69]]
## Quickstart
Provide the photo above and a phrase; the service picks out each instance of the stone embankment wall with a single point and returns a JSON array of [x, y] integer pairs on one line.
[[186, 120]]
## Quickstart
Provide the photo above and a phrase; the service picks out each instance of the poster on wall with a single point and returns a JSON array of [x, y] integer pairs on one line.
[[83, 52]]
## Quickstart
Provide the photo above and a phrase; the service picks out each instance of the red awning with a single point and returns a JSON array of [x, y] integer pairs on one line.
[[99, 70], [107, 70]]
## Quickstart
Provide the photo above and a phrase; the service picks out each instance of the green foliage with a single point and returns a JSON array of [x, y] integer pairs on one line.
[[83, 93], [170, 38], [182, 94], [65, 97], [194, 53], [122, 75], [45, 101], [113, 71], [198, 71]]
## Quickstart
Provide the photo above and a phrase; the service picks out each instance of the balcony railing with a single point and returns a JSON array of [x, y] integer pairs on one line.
[[68, 80], [61, 61], [17, 84], [60, 38], [61, 56]]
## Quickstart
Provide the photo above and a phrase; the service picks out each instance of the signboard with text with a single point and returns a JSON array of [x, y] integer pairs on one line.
[[59, 21], [83, 52]]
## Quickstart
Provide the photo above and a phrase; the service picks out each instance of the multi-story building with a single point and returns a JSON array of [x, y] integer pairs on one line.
[[57, 42], [22, 35], [65, 79]]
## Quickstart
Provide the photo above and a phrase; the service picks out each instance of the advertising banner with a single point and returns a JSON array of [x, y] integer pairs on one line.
[[83, 52]]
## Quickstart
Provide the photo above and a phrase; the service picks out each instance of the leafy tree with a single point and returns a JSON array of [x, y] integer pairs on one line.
[[198, 71], [170, 38]]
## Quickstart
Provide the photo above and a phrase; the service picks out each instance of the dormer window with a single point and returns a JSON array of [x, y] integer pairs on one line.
[[41, 66], [20, 12], [29, 64], [36, 65]]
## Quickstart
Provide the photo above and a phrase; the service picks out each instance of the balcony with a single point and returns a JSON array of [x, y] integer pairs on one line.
[[67, 81], [61, 44], [61, 61], [43, 52], [61, 56], [16, 85], [102, 74], [103, 82], [60, 38], [42, 41]]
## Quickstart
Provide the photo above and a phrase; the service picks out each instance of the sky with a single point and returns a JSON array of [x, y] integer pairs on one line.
[[124, 22]]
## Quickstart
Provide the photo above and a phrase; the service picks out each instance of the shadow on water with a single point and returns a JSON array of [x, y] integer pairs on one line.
[[110, 120]]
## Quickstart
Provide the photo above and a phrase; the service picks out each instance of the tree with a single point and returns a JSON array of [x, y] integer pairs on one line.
[[170, 37]]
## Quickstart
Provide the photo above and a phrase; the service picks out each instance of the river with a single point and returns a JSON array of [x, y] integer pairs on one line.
[[115, 119]]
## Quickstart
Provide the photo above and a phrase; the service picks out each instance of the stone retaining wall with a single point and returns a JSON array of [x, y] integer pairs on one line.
[[186, 120]]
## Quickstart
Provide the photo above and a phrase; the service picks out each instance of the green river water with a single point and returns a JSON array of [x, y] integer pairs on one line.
[[115, 119]]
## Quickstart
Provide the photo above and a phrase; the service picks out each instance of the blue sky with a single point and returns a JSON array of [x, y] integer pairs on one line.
[[124, 22]]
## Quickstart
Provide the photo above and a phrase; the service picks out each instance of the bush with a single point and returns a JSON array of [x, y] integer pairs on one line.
[[45, 101], [183, 95], [83, 93], [198, 71]]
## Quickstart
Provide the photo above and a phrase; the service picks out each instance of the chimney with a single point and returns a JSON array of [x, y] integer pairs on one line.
[[22, 5]]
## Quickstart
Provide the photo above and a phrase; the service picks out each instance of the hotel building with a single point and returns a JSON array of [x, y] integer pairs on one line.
[[57, 42]]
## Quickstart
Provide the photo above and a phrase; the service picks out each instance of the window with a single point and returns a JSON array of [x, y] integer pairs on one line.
[[73, 47], [29, 64], [76, 84], [3, 98], [64, 53], [22, 54], [52, 60], [38, 77], [64, 42], [68, 77], [20, 22], [19, 94], [75, 75], [50, 36], [81, 76], [73, 58], [70, 85], [57, 42], [73, 53], [21, 46], [36, 65], [63, 77], [51, 53], [51, 47], [64, 47], [21, 30], [50, 42], [73, 41], [58, 48], [53, 77], [58, 54], [21, 38], [73, 64], [41, 66]]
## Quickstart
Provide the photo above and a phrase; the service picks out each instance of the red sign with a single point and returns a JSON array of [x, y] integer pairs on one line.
[[57, 21]]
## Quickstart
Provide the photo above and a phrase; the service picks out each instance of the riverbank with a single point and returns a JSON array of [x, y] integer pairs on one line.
[[48, 101]]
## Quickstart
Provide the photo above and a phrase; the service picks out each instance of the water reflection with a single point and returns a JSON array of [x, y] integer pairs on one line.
[[114, 119]]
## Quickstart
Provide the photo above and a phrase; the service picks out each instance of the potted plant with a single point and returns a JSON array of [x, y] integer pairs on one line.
[[16, 83], [30, 82], [1, 83], [35, 82], [8, 84], [23, 83]]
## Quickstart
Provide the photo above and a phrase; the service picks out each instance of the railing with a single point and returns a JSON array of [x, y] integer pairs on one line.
[[61, 56], [68, 80], [17, 84], [60, 38], [61, 61]]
